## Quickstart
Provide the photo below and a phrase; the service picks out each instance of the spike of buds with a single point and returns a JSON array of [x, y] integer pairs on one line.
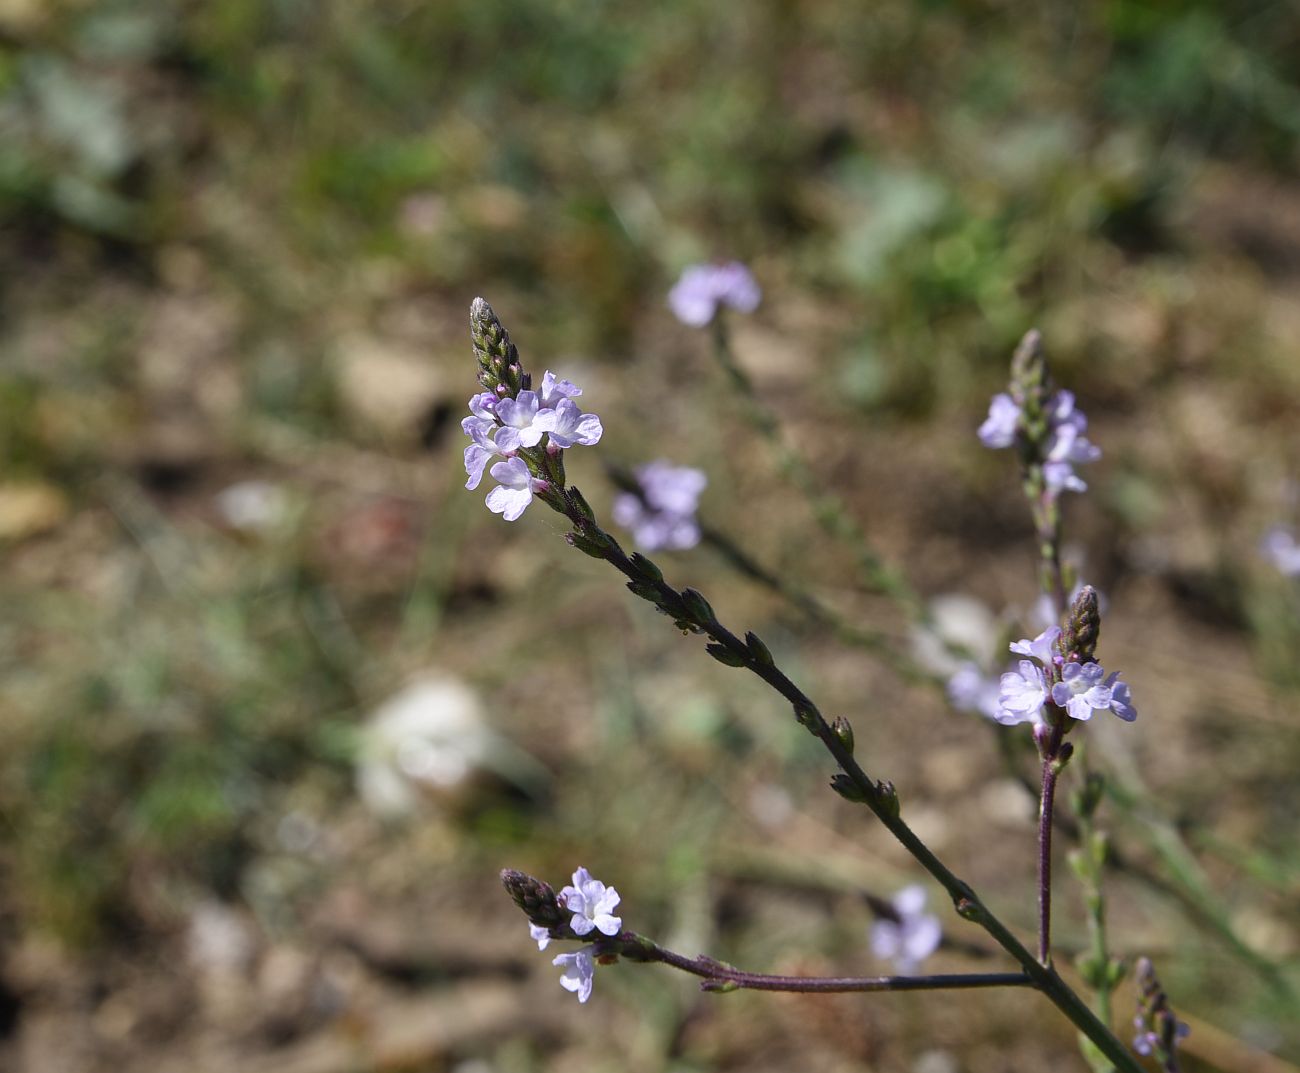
[[1078, 641], [535, 898]]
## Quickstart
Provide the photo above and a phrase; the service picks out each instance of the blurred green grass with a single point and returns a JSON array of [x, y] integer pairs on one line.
[[239, 242]]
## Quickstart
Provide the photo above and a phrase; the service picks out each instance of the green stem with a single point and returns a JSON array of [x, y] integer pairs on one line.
[[830, 511]]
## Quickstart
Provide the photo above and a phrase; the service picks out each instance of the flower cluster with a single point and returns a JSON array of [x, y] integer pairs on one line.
[[1158, 1029], [696, 296], [912, 936], [1080, 688], [661, 512], [591, 903], [501, 424], [1066, 443]]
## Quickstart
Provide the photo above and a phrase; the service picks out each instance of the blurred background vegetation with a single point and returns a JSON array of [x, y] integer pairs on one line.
[[244, 593]]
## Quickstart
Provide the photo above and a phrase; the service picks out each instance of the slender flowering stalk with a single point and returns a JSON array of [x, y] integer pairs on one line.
[[1047, 430], [829, 510], [691, 612], [1159, 1031], [1099, 970], [540, 903]]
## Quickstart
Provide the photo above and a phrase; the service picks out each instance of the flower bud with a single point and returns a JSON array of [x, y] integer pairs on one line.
[[1078, 640], [843, 730], [535, 898]]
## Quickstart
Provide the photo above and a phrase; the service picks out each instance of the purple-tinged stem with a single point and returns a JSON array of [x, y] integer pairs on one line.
[[725, 977], [1045, 861], [1053, 761]]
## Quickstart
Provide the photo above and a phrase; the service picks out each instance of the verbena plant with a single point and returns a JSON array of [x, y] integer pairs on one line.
[[1056, 686]]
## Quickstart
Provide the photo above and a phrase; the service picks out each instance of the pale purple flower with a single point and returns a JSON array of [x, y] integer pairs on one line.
[[971, 690], [519, 416], [542, 935], [515, 491], [1148, 1042], [554, 390], [1066, 443], [1081, 690], [592, 904], [999, 428], [1042, 647], [1066, 447], [695, 297], [567, 425], [1121, 701], [910, 939], [481, 431], [1279, 547], [484, 406], [663, 515], [579, 971], [1021, 695]]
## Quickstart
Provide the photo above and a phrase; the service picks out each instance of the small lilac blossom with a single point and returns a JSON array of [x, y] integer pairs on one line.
[[567, 425], [971, 690], [999, 428], [477, 453], [1081, 690], [1021, 695], [695, 297], [1279, 547], [554, 390], [519, 416], [515, 491], [910, 939], [663, 515], [1066, 443], [1042, 647], [579, 971], [592, 904], [1068, 446], [484, 406], [1147, 1041], [1121, 701], [542, 935]]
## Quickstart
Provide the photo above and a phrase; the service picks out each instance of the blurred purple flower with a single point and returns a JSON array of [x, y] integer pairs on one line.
[[695, 297], [1066, 443], [591, 903], [971, 690], [579, 971], [1279, 547], [999, 428], [663, 515], [542, 935], [910, 939]]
